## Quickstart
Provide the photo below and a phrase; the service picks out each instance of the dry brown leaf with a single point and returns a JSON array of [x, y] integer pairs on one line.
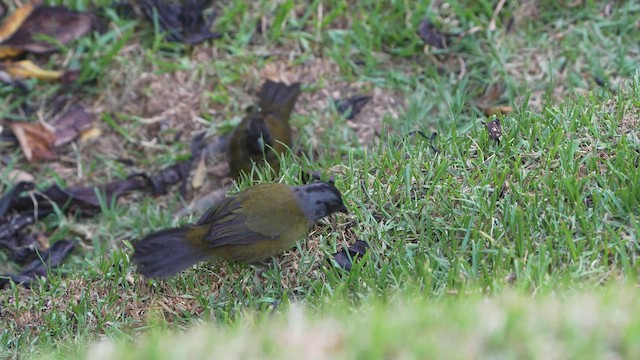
[[496, 110], [6, 52], [27, 69], [59, 23], [15, 20], [71, 125], [36, 140], [90, 134]]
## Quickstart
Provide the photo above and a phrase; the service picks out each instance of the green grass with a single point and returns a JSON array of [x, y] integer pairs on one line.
[[518, 248], [572, 325]]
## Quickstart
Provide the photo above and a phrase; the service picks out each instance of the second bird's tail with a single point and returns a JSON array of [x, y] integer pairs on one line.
[[166, 253], [277, 96]]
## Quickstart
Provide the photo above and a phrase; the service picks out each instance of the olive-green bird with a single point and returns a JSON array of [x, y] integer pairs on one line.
[[257, 223], [265, 132]]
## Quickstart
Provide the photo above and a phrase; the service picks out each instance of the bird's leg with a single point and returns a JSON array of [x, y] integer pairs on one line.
[[263, 265]]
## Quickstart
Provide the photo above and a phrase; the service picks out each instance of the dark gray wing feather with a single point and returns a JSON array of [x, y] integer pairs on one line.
[[228, 226]]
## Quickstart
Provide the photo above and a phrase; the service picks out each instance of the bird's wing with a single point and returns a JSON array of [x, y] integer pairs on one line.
[[227, 226]]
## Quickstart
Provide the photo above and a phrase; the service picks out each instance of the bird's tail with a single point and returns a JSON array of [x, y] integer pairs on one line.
[[280, 97], [166, 253]]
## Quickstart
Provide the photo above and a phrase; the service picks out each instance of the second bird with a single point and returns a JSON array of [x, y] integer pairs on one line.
[[265, 132]]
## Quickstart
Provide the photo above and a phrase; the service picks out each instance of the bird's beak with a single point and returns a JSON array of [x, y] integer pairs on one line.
[[343, 209]]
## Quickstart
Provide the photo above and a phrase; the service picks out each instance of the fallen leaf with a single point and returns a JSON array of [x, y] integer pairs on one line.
[[432, 36], [20, 247], [12, 23], [86, 199], [184, 23], [352, 106], [58, 23], [6, 201], [48, 260], [6, 52], [496, 110], [345, 257], [27, 208], [36, 140], [71, 124], [25, 69], [177, 173], [90, 134]]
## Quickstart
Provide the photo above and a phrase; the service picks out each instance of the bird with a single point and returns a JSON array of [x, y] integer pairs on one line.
[[259, 222], [264, 133]]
